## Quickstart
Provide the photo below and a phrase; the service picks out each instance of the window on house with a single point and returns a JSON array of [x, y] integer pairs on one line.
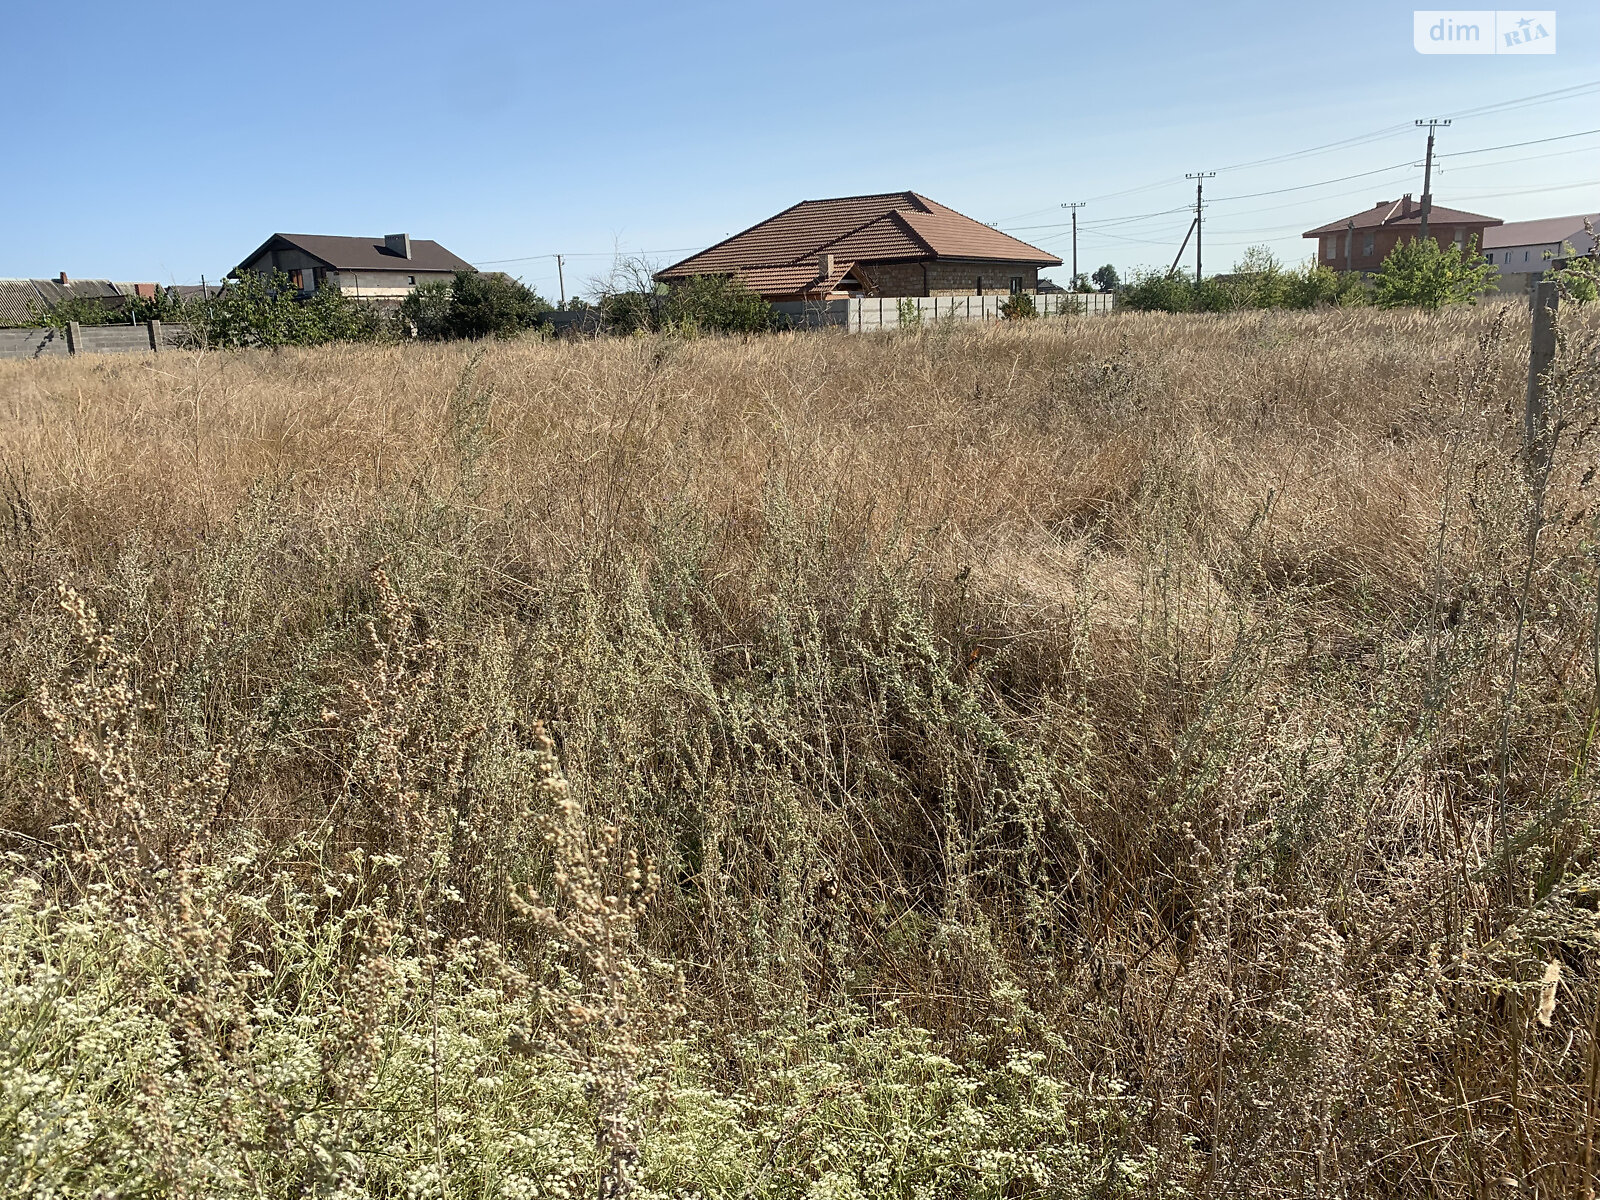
[[1489, 257], [1016, 285], [1524, 256], [1366, 246], [980, 285], [412, 280], [1333, 248], [298, 279]]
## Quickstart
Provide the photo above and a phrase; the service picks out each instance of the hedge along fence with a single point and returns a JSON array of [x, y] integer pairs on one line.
[[150, 336]]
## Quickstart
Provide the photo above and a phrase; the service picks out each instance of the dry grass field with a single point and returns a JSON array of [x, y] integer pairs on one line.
[[1148, 756]]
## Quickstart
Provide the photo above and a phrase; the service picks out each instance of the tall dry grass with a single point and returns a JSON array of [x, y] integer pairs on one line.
[[1071, 759]]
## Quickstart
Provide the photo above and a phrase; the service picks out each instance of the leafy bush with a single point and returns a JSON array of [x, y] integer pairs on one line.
[[1319, 286], [1019, 307], [490, 304], [1258, 280], [1580, 278], [1419, 273], [716, 304], [262, 310], [632, 302], [425, 313], [85, 310], [1158, 292]]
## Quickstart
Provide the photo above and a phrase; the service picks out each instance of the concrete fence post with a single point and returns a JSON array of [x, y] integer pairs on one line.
[[74, 338], [155, 335]]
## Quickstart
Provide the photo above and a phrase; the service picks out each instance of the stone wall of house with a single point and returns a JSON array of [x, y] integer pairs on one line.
[[948, 278], [894, 279]]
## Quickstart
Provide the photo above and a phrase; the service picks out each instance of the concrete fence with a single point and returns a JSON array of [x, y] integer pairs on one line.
[[150, 337], [885, 312]]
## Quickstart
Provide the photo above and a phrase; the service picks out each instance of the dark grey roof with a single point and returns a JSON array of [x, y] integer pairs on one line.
[[363, 254]]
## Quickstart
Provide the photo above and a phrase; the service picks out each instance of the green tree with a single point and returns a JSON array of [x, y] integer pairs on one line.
[[425, 313], [716, 304], [1421, 274], [492, 304], [1106, 278]]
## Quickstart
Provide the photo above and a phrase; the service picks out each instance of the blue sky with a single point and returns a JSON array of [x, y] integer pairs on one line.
[[165, 141]]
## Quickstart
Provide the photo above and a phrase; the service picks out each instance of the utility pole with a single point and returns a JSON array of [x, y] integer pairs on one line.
[[1199, 178], [561, 280], [1349, 245], [1427, 174], [1075, 208]]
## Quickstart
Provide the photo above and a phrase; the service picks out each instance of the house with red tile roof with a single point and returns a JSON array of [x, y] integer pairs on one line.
[[890, 244], [1361, 242]]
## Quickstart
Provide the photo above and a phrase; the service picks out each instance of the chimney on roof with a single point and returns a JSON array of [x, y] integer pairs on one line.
[[824, 265], [63, 279], [398, 243], [1405, 205]]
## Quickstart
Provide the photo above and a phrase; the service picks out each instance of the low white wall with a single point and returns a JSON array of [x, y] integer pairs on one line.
[[883, 312], [384, 285]]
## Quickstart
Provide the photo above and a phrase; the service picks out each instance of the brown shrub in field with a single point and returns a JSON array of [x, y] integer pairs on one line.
[[1136, 756]]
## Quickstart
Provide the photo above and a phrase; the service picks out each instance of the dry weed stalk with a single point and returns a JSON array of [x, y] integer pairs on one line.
[[1127, 704]]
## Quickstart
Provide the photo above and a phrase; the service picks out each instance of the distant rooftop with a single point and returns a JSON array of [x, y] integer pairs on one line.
[[1403, 212], [1540, 232], [364, 253]]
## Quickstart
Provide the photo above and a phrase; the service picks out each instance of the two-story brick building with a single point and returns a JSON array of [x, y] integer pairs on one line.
[[1361, 242], [890, 244]]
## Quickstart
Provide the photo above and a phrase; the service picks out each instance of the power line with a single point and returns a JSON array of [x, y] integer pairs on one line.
[[1566, 93], [490, 262], [1560, 187], [1300, 187], [1106, 220], [1551, 97], [1560, 137]]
